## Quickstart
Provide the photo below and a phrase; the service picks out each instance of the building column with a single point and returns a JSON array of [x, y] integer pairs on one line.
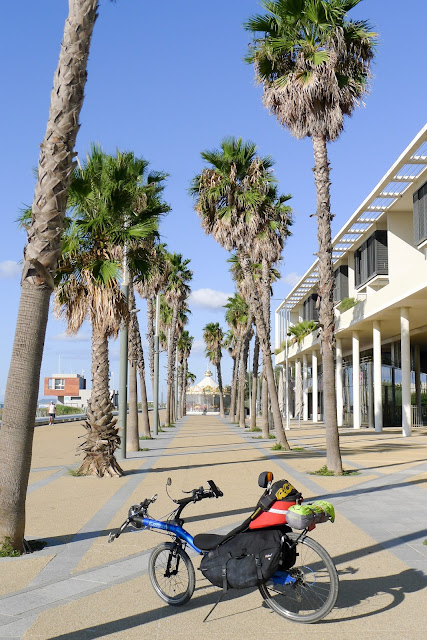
[[338, 383], [405, 349], [298, 390], [356, 380], [277, 329], [304, 389], [378, 398], [417, 364], [314, 385]]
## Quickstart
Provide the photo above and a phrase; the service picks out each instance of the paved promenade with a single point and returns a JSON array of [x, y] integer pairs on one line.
[[79, 587]]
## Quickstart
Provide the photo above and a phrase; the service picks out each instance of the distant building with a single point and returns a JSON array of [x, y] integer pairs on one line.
[[68, 388]]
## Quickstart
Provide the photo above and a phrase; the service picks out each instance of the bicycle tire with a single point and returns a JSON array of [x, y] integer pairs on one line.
[[314, 593], [176, 589]]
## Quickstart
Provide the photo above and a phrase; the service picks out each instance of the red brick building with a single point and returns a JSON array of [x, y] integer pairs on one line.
[[66, 387]]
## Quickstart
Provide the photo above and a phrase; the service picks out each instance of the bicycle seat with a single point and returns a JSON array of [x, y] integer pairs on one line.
[[208, 541]]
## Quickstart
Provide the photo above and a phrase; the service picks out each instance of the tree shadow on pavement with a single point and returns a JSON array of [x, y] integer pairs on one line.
[[365, 597], [115, 626]]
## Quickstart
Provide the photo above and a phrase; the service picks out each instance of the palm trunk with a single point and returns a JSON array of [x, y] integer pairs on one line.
[[132, 431], [221, 393], [326, 310], [254, 384], [150, 337], [136, 354], [264, 395], [40, 259], [264, 338], [184, 395], [242, 377], [102, 437], [16, 433], [171, 364], [232, 415]]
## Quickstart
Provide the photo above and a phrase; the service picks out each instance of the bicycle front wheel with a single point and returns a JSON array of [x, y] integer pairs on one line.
[[312, 590], [172, 574]]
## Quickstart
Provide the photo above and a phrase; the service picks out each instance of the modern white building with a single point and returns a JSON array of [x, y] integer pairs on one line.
[[380, 261]]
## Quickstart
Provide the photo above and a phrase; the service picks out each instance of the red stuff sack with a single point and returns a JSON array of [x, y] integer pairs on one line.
[[272, 507]]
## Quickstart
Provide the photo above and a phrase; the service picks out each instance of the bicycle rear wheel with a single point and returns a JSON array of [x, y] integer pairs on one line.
[[314, 588], [172, 574]]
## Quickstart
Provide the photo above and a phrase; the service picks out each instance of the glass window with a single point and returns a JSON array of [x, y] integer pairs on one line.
[[59, 383]]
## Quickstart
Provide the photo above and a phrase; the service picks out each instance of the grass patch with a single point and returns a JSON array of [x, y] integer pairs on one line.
[[298, 449], [145, 438], [256, 429], [7, 551], [278, 447], [270, 437], [144, 449], [167, 426], [425, 542], [324, 471], [75, 473]]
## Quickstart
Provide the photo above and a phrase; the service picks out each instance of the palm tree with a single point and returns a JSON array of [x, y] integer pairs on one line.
[[109, 203], [40, 260], [232, 345], [239, 319], [176, 292], [314, 65], [234, 201], [149, 287], [184, 344], [213, 336]]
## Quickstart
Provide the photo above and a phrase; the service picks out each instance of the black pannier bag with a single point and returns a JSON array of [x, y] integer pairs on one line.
[[247, 560]]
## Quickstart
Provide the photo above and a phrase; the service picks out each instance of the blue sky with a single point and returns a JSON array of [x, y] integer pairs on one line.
[[167, 80]]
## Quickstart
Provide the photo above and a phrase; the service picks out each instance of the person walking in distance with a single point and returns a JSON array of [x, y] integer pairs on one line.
[[51, 411]]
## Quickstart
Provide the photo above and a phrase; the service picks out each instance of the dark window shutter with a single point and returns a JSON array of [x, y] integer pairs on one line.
[[420, 214], [341, 283], [357, 268], [381, 253]]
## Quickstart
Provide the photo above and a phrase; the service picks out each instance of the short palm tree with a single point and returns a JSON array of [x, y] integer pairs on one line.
[[213, 336], [314, 65], [40, 259], [103, 197], [234, 199]]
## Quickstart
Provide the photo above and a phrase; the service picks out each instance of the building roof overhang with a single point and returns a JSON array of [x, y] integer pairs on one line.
[[393, 191]]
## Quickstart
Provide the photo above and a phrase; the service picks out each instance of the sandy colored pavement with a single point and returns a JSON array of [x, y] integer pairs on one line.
[[81, 587]]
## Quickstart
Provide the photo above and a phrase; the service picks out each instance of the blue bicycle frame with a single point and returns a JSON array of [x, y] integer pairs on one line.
[[179, 532]]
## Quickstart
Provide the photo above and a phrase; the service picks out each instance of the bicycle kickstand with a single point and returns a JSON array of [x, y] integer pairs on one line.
[[216, 603]]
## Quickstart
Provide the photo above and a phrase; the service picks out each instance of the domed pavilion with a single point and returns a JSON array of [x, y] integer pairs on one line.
[[204, 395]]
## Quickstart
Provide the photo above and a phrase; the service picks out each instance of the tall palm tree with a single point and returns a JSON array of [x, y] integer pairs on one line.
[[184, 344], [149, 287], [255, 364], [213, 336], [176, 292], [239, 319], [234, 200], [40, 259], [108, 201], [314, 65], [232, 345]]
